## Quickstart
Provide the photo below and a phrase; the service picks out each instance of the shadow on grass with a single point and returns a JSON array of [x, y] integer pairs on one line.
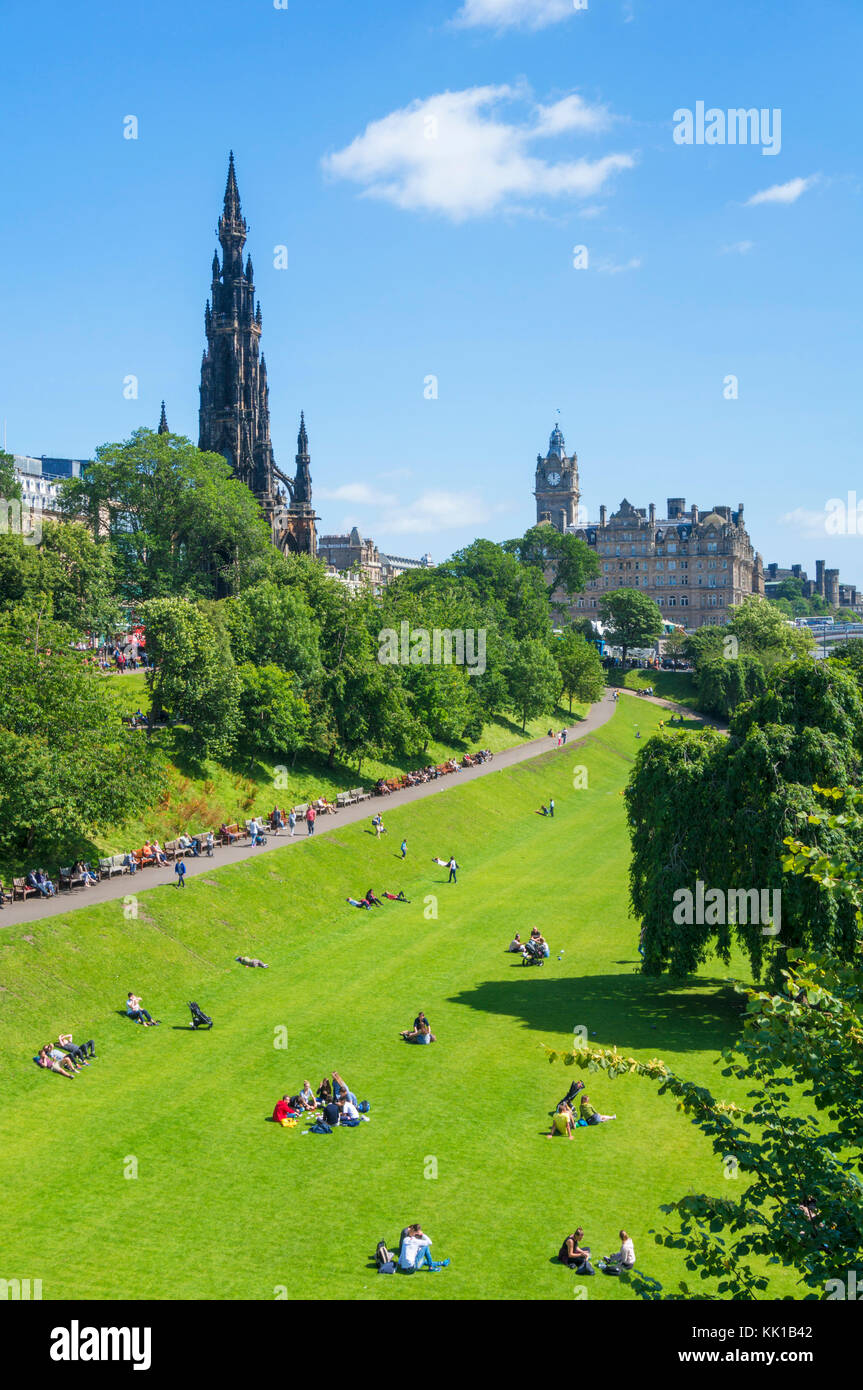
[[630, 1011]]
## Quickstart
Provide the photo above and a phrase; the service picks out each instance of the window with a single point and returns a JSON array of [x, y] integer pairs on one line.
[[659, 564], [684, 602], [672, 549], [672, 602], [672, 564]]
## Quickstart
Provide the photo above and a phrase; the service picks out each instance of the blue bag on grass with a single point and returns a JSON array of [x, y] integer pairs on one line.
[[364, 1107]]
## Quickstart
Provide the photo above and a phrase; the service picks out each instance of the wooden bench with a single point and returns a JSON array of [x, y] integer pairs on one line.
[[20, 889], [360, 794], [343, 799], [68, 880], [239, 831]]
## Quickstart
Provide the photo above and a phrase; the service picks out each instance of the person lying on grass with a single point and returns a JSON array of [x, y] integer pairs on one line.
[[543, 811], [623, 1259], [398, 897], [77, 1052], [53, 1059], [561, 1121], [251, 961], [423, 1034], [575, 1255], [591, 1114], [358, 902]]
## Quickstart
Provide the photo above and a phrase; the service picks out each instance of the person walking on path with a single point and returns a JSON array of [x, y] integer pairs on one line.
[[404, 849], [310, 819], [180, 871], [292, 821], [564, 737]]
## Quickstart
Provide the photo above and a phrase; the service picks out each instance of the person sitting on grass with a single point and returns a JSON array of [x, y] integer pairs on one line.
[[331, 1113], [516, 945], [283, 1111], [350, 1115], [137, 1012], [325, 1092], [340, 1088], [306, 1097], [623, 1259], [423, 1034], [575, 1255], [415, 1251], [77, 1051], [54, 1060], [562, 1121], [591, 1114], [371, 899], [543, 946], [543, 811]]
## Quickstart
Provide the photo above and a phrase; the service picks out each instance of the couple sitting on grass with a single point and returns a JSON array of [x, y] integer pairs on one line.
[[576, 1255], [137, 1012], [421, 1031], [563, 1120], [414, 1253]]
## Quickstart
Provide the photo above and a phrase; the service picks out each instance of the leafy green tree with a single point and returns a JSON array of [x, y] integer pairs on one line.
[[725, 682], [68, 768], [534, 681], [580, 668], [763, 631], [701, 807], [796, 1143], [178, 520], [10, 488], [565, 560], [274, 717], [704, 642], [274, 623], [194, 679], [634, 620], [69, 569]]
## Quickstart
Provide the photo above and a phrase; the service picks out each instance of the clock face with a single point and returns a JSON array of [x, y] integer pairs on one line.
[[553, 479]]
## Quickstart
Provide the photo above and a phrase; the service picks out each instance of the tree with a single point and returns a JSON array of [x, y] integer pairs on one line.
[[580, 668], [274, 717], [10, 488], [565, 560], [633, 618], [796, 1143], [68, 768], [194, 679], [725, 682], [178, 519], [534, 681], [762, 631], [715, 810], [274, 623]]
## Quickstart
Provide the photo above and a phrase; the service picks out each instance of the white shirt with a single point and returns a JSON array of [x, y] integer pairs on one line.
[[627, 1252], [410, 1249], [350, 1110]]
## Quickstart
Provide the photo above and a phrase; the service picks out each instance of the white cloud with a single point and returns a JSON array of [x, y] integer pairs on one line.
[[737, 248], [358, 493], [437, 511], [503, 14], [571, 113], [612, 268], [809, 525], [782, 192], [452, 154]]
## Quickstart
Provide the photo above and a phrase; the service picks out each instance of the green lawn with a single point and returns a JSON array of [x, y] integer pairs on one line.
[[668, 685], [228, 1205]]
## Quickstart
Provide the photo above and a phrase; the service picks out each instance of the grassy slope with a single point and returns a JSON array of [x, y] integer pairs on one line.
[[200, 794], [668, 685], [228, 1205]]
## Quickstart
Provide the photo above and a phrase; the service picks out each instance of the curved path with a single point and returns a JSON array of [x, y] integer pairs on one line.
[[121, 885]]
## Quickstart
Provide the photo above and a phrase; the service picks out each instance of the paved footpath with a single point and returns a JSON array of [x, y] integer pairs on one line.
[[121, 885]]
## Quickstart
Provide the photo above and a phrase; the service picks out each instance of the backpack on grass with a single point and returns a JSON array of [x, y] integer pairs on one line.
[[384, 1259]]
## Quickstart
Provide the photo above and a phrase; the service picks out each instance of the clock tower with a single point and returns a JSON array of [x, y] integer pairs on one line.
[[556, 485]]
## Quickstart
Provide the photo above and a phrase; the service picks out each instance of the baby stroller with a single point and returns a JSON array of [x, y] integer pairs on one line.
[[199, 1018], [532, 954]]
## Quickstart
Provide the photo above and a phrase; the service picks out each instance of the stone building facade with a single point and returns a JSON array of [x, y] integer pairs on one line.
[[693, 564], [556, 487], [825, 585]]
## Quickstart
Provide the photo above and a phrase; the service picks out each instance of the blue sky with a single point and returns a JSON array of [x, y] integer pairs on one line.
[[430, 167]]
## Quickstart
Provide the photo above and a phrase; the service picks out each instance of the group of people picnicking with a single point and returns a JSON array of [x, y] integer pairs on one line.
[[535, 948], [576, 1255], [333, 1104]]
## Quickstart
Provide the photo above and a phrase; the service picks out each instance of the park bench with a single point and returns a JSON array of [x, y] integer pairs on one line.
[[233, 829], [300, 811], [20, 889], [343, 799], [67, 880], [360, 794]]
